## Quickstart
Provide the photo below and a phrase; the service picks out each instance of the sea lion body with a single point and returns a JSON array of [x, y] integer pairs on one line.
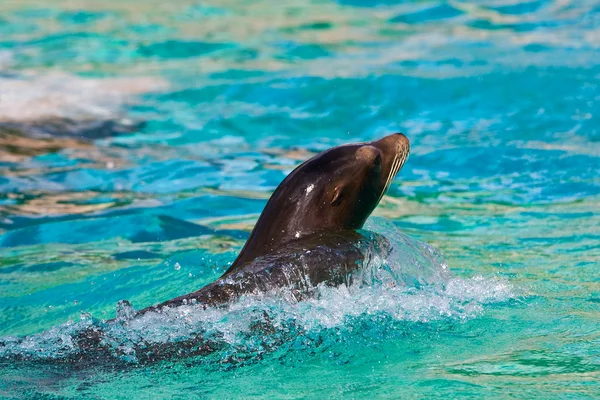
[[307, 232], [329, 258]]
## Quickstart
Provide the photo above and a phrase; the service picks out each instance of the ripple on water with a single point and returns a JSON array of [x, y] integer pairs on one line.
[[499, 99], [432, 13]]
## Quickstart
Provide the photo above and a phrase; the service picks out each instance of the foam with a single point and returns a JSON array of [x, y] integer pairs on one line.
[[61, 101], [411, 283]]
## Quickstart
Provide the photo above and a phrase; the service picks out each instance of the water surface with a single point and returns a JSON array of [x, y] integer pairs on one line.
[[139, 140]]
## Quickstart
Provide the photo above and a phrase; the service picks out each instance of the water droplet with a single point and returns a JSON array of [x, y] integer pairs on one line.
[[125, 311], [85, 316], [177, 266]]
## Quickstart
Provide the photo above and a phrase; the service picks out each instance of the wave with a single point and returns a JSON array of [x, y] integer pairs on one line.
[[409, 282]]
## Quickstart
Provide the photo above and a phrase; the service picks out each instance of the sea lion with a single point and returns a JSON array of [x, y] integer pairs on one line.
[[307, 232]]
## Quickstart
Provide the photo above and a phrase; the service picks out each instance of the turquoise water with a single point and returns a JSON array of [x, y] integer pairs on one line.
[[205, 107]]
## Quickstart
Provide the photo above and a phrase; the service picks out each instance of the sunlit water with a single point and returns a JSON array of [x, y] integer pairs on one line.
[[139, 140]]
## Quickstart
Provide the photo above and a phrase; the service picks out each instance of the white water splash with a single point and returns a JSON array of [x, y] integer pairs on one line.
[[35, 98], [411, 283]]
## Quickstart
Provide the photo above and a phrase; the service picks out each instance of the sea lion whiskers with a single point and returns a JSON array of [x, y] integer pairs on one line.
[[388, 179], [392, 173], [399, 159]]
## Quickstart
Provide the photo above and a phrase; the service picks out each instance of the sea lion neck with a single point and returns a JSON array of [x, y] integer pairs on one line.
[[280, 222]]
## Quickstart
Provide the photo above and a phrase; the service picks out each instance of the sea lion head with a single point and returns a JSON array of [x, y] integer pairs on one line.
[[339, 188], [335, 190]]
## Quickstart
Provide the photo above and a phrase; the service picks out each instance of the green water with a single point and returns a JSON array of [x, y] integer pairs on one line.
[[218, 101]]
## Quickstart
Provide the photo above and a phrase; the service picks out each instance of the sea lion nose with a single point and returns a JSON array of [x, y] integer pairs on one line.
[[401, 140]]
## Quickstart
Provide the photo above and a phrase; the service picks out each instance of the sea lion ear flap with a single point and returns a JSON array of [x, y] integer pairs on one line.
[[338, 194]]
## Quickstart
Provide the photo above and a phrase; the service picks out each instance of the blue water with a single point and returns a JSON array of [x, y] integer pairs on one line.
[[139, 141]]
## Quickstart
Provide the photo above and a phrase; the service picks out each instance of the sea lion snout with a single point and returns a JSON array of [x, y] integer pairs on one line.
[[394, 149], [388, 150], [396, 144]]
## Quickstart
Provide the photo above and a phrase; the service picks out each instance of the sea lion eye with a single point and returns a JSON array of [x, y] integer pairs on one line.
[[377, 160], [338, 192]]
